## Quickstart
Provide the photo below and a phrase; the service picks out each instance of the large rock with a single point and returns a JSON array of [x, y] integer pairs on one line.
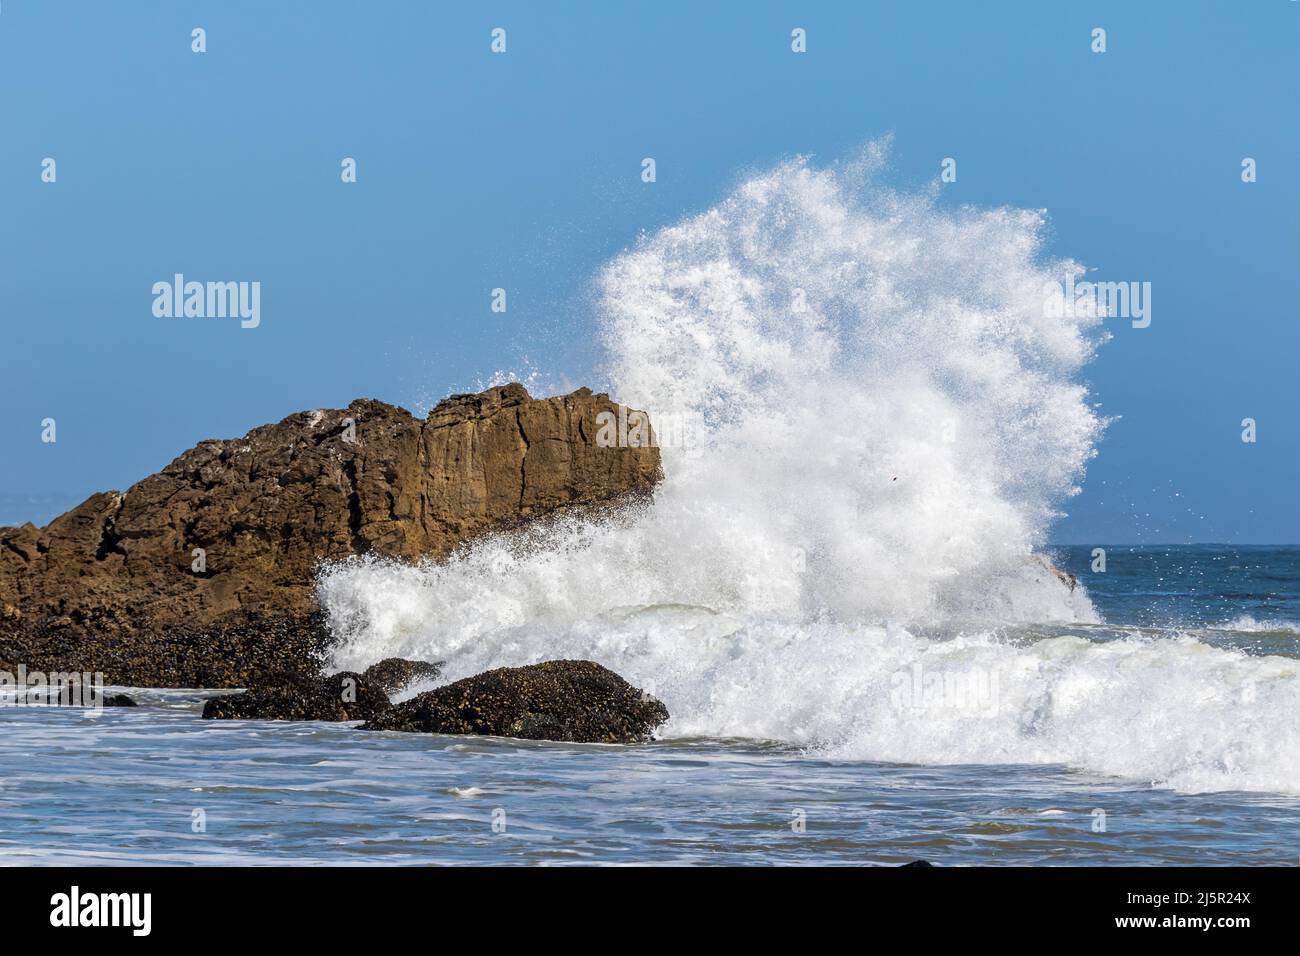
[[116, 585], [577, 701]]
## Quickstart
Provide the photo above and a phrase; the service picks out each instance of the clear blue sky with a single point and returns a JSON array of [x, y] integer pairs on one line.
[[477, 171]]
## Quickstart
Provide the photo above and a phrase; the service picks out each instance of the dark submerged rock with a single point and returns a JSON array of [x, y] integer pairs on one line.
[[118, 700], [394, 674], [577, 701], [289, 696]]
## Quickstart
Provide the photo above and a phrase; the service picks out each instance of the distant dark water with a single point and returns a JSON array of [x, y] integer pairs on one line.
[[1247, 588]]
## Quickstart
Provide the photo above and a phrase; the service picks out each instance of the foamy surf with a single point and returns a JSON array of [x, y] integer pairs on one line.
[[1250, 625], [875, 423]]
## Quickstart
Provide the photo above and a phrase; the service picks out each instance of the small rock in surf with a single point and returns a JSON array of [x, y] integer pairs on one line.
[[573, 701]]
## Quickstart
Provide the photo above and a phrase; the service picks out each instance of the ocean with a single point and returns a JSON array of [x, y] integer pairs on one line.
[[841, 591], [1186, 765]]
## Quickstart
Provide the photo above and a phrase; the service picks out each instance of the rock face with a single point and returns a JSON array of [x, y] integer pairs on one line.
[[342, 696], [577, 701], [176, 581]]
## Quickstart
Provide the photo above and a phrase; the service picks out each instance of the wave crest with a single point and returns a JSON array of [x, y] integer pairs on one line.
[[874, 421]]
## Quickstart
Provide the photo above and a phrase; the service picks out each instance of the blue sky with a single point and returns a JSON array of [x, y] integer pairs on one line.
[[523, 170]]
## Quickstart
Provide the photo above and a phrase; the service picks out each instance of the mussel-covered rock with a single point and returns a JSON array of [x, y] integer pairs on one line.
[[288, 696], [577, 701], [394, 674]]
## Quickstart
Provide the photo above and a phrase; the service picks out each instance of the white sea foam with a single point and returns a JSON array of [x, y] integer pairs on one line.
[[1249, 624], [878, 465]]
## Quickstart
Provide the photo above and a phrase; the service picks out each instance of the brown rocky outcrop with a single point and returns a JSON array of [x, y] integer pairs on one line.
[[117, 585], [576, 701]]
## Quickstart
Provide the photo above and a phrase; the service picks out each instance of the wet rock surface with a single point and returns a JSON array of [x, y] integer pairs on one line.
[[289, 696], [394, 674], [576, 701], [229, 652]]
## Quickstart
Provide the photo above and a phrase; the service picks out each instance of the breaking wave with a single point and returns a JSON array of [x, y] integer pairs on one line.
[[868, 424]]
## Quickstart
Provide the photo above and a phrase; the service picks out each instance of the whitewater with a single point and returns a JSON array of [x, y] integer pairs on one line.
[[875, 425]]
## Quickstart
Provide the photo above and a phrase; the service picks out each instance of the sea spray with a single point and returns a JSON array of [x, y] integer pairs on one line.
[[871, 381], [883, 423]]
